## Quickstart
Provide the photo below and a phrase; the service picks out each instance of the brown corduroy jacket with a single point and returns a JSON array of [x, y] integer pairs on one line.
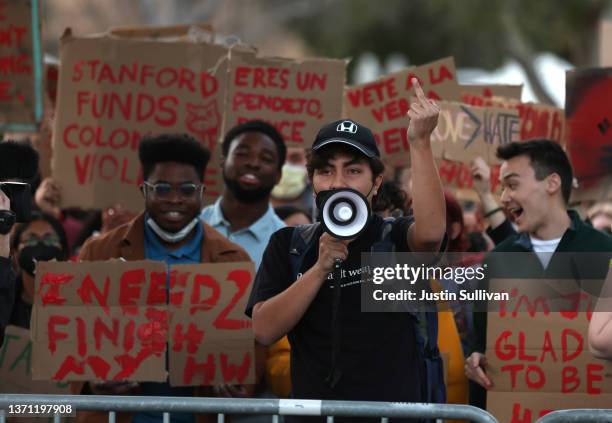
[[127, 242]]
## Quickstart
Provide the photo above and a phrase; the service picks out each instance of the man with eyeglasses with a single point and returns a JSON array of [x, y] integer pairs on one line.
[[168, 230]]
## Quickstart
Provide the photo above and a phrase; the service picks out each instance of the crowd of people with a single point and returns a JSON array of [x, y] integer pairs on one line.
[[312, 339]]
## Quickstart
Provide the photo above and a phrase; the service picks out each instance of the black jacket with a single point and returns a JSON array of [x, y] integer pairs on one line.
[[7, 293], [568, 261]]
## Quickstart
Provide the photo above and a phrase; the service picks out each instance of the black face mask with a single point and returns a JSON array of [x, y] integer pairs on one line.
[[246, 195], [38, 252]]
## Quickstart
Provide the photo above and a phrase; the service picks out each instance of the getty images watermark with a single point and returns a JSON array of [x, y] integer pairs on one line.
[[519, 282], [458, 275]]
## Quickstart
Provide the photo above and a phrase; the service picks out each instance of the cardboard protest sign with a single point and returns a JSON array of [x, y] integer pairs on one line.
[[588, 109], [542, 121], [599, 191], [494, 101], [21, 75], [112, 92], [100, 321], [213, 177], [382, 105], [296, 97], [211, 340], [459, 175], [42, 140], [537, 120], [477, 91], [16, 365], [537, 351], [465, 132], [196, 32], [605, 43], [113, 320], [524, 407]]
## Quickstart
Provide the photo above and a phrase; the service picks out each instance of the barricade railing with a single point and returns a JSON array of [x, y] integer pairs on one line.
[[225, 406], [583, 415]]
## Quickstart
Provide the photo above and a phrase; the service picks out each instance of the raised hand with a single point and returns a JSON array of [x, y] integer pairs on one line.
[[48, 197], [423, 115], [481, 174]]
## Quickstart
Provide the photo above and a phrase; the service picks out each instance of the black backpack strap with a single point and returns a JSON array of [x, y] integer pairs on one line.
[[435, 391], [384, 244], [335, 372], [301, 238]]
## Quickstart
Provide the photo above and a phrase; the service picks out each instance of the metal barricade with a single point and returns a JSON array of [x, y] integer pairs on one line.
[[586, 415], [273, 407]]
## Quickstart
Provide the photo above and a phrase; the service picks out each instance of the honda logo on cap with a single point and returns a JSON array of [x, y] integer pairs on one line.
[[347, 126]]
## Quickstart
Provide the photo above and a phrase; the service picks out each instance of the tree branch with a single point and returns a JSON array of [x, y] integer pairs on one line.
[[519, 50]]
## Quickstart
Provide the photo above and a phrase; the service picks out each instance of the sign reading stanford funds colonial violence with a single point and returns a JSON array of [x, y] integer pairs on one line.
[[537, 352], [117, 320], [112, 92], [382, 105], [296, 97]]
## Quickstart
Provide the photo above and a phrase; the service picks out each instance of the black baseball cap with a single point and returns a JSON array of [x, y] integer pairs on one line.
[[347, 132]]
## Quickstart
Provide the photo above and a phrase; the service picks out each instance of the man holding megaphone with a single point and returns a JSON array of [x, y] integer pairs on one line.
[[338, 352]]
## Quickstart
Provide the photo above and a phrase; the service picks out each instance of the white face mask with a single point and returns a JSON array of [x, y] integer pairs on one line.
[[172, 237], [292, 183]]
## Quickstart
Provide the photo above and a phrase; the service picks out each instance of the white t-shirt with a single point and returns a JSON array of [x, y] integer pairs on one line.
[[544, 249]]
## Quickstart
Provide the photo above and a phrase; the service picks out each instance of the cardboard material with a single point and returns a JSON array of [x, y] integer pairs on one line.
[[605, 43], [100, 320], [42, 142], [112, 92], [537, 351], [21, 103], [212, 341], [542, 121], [382, 105], [16, 366], [598, 191], [296, 97], [491, 90], [525, 407], [459, 175], [537, 120], [466, 132], [196, 32], [213, 177], [113, 320], [588, 109]]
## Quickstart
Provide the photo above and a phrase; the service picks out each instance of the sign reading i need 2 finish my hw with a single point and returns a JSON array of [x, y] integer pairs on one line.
[[117, 320]]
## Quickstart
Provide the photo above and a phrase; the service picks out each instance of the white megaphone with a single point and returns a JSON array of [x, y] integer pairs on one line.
[[344, 212]]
